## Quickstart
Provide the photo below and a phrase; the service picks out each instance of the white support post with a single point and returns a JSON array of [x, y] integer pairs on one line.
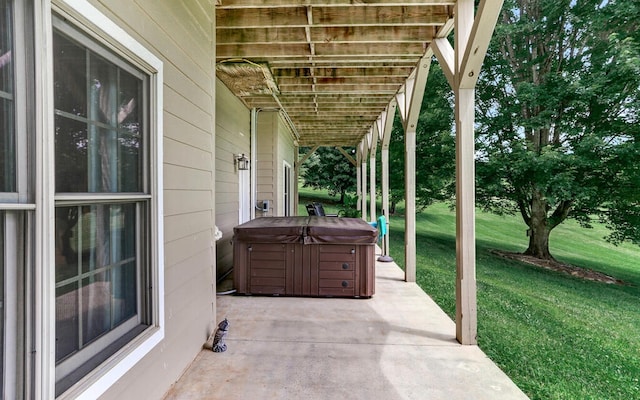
[[410, 205], [296, 181], [359, 177], [461, 66], [373, 149], [363, 172], [409, 103], [386, 124], [466, 303]]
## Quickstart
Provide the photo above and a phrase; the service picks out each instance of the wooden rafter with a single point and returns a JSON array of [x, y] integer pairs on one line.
[[331, 60], [347, 156]]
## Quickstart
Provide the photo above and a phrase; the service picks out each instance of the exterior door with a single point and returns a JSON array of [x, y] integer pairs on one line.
[[244, 203]]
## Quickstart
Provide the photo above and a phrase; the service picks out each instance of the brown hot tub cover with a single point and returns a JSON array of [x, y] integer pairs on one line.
[[309, 230], [271, 230], [339, 231]]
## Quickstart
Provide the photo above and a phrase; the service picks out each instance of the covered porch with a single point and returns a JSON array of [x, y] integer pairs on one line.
[[339, 71], [397, 345]]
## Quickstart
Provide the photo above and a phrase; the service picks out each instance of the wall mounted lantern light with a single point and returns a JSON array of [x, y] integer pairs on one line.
[[242, 162]]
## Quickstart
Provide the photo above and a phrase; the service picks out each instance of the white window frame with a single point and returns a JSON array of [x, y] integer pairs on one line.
[[95, 24], [13, 318], [16, 220], [287, 195]]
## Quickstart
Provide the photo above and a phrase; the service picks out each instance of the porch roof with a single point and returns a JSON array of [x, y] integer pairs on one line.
[[397, 345], [331, 66]]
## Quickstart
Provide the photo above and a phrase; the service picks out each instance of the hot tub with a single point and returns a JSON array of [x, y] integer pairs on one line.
[[305, 256]]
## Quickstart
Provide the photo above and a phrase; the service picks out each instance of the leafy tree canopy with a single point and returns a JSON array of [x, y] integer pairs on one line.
[[329, 169], [559, 116]]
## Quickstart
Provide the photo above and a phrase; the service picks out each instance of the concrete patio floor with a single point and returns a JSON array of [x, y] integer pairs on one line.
[[397, 345]]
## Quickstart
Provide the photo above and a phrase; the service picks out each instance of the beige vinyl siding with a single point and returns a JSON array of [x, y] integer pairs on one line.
[[232, 137], [266, 172], [181, 34], [285, 153], [275, 145]]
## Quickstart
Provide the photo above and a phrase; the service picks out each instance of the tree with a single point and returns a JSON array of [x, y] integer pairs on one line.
[[435, 147], [559, 117], [329, 169]]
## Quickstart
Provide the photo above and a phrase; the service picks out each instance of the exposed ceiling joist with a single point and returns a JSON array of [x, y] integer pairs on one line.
[[334, 65]]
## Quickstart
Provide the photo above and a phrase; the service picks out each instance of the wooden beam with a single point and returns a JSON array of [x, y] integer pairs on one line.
[[340, 34], [374, 34], [479, 38], [396, 81], [373, 148], [296, 16], [341, 71], [359, 175], [344, 62], [466, 302], [239, 4], [333, 115], [293, 50], [334, 109], [328, 97], [266, 17], [410, 104], [445, 54], [306, 156], [349, 119], [386, 126], [381, 16], [347, 156], [363, 167]]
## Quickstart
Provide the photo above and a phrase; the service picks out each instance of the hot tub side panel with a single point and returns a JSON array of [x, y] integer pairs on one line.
[[296, 256], [295, 269]]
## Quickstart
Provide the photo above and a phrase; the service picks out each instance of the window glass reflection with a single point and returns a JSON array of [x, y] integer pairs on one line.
[[98, 122], [96, 275], [7, 124]]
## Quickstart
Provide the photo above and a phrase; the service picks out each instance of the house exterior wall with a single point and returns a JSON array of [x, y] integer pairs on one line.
[[286, 151], [182, 35], [275, 146], [232, 138], [266, 160]]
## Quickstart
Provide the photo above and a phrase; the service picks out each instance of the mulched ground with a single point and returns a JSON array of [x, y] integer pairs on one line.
[[568, 269]]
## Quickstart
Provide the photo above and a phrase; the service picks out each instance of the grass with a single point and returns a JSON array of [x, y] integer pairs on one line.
[[331, 204], [555, 336]]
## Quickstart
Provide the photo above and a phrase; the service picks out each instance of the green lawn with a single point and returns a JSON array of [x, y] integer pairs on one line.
[[556, 336], [307, 195]]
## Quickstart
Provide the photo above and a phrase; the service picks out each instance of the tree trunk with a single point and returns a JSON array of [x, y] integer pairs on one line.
[[539, 229]]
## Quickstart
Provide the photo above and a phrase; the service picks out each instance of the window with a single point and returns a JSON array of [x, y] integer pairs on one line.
[[11, 303], [98, 181], [7, 131], [103, 203], [7, 164], [286, 199], [13, 155]]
